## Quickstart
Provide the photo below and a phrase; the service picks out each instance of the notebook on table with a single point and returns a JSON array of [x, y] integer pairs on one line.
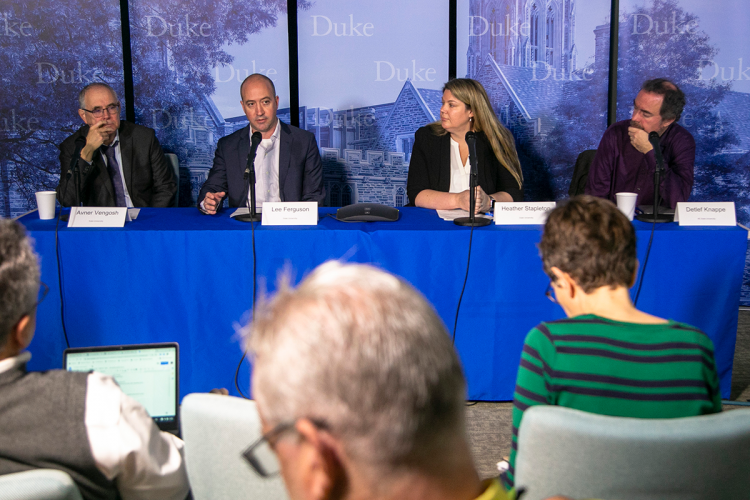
[[148, 373]]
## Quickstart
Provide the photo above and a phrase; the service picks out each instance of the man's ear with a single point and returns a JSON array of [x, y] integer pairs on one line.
[[323, 468], [82, 114], [17, 338], [635, 275]]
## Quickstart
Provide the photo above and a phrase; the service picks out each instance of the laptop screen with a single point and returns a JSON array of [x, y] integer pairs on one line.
[[148, 373]]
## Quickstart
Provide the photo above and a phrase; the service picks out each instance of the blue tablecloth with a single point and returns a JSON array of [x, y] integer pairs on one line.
[[177, 275]]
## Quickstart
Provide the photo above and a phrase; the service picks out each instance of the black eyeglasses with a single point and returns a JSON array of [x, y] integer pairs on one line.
[[99, 112], [260, 454], [43, 291], [549, 293]]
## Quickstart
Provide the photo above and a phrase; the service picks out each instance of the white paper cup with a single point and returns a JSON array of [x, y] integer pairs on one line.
[[45, 202], [626, 204]]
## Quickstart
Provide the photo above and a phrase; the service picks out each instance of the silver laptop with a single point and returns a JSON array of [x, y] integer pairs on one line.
[[149, 373]]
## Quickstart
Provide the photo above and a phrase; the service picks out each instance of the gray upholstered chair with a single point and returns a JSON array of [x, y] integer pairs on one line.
[[38, 484], [583, 455], [216, 430], [174, 162]]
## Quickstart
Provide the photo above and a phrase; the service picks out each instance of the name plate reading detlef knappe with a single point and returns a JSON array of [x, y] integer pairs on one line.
[[290, 213], [533, 212], [704, 213], [97, 217]]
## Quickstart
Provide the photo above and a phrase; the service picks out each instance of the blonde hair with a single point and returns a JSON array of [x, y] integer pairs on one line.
[[472, 94]]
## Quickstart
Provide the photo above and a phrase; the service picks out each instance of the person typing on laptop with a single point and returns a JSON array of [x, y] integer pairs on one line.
[[80, 423]]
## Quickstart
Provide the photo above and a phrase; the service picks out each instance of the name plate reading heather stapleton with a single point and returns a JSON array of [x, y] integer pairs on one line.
[[704, 213], [534, 212], [290, 213], [97, 217]]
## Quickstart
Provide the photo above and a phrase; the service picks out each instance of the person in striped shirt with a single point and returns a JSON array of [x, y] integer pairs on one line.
[[607, 357]]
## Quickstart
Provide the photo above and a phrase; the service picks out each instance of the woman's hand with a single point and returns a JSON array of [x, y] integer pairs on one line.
[[483, 201]]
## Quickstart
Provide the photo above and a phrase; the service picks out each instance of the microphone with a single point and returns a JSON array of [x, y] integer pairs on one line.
[[80, 143], [471, 141], [471, 220], [254, 142], [653, 138]]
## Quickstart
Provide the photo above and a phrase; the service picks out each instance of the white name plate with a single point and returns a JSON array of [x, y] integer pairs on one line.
[[534, 212], [290, 213], [97, 217], [703, 213]]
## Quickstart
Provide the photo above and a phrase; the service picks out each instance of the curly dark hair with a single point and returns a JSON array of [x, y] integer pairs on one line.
[[592, 241]]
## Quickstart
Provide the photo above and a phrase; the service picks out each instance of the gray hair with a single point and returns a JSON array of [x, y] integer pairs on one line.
[[362, 351], [82, 93], [19, 276]]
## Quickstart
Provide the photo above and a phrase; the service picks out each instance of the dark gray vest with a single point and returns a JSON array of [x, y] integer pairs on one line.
[[42, 426]]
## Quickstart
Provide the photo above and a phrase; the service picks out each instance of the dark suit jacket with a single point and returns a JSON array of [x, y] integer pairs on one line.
[[430, 167], [300, 168], [148, 176]]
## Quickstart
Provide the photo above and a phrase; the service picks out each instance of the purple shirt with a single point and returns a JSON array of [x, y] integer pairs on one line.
[[619, 167]]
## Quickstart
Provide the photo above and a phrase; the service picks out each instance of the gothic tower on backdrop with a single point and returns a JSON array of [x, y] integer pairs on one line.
[[522, 33]]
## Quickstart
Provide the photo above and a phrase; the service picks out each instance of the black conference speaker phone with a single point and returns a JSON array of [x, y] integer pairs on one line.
[[367, 212]]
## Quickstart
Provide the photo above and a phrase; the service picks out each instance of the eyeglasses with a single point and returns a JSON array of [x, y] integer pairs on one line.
[[43, 291], [549, 293], [99, 112], [260, 454]]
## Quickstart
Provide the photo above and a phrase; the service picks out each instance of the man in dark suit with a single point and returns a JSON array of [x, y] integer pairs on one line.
[[287, 163], [121, 164]]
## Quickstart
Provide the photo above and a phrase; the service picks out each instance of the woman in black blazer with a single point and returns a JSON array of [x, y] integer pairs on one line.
[[439, 165]]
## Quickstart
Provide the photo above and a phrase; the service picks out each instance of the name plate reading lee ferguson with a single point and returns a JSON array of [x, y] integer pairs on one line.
[[523, 212], [97, 217], [290, 213], [700, 213]]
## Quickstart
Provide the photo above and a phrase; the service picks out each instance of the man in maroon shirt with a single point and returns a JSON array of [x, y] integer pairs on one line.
[[625, 160]]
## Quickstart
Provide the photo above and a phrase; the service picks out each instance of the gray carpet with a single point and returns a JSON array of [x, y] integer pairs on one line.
[[489, 424]]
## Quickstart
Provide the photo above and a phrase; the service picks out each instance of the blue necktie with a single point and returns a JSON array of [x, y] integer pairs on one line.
[[114, 172]]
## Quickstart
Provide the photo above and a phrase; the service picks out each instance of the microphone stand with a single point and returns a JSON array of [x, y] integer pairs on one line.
[[250, 177], [653, 138], [76, 173], [472, 220]]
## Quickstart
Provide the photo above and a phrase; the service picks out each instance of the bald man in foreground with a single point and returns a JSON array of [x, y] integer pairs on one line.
[[360, 392]]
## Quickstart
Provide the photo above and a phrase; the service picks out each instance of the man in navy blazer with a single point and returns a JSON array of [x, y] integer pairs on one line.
[[287, 163]]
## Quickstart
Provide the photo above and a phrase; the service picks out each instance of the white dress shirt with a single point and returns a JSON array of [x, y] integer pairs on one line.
[[459, 171], [267, 169], [125, 442]]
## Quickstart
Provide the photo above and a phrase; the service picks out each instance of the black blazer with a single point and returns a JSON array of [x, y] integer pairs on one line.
[[430, 167], [148, 176], [300, 168]]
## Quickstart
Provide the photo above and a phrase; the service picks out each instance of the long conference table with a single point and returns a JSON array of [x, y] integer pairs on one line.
[[175, 275]]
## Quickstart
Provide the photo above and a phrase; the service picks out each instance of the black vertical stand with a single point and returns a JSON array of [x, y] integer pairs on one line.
[[653, 138], [250, 177], [472, 220]]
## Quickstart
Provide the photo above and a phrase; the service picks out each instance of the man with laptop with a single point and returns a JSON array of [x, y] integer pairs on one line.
[[80, 423]]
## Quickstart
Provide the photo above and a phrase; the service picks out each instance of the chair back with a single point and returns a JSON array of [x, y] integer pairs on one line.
[[175, 163], [581, 172], [38, 484], [583, 455], [216, 430]]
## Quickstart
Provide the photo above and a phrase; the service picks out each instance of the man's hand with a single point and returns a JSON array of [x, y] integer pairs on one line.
[[98, 133], [212, 201], [639, 139]]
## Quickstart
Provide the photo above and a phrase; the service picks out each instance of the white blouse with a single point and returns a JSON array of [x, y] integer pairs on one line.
[[459, 172]]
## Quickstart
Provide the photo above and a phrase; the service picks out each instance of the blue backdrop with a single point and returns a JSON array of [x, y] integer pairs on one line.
[[369, 76]]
